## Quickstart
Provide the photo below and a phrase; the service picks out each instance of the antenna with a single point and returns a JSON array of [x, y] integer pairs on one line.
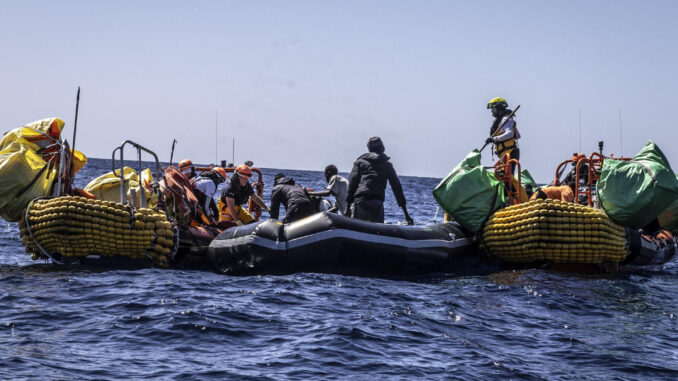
[[233, 158], [216, 136], [580, 129], [621, 146]]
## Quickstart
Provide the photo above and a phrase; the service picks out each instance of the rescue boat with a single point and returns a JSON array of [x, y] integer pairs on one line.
[[331, 243], [608, 222]]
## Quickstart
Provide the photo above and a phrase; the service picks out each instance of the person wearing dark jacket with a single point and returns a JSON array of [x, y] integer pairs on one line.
[[297, 203], [367, 184]]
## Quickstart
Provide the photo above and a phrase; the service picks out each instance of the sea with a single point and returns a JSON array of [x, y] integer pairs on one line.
[[76, 323]]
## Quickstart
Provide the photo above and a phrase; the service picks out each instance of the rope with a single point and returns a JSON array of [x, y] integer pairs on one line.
[[30, 233]]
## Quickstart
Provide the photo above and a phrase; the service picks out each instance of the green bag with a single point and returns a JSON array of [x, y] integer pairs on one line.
[[633, 193], [470, 193], [669, 217], [527, 180]]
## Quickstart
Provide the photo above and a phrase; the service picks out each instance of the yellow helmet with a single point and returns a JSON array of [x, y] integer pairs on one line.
[[497, 102]]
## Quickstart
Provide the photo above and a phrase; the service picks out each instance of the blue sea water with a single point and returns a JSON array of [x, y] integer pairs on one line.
[[89, 324]]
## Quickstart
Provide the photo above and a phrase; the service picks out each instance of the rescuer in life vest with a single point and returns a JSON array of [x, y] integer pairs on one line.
[[237, 192], [187, 168], [505, 139], [205, 186]]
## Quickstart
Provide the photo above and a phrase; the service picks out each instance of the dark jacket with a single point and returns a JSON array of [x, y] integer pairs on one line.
[[368, 179], [293, 196]]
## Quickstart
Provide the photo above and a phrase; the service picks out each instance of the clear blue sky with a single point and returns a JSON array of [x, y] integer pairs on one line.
[[301, 84]]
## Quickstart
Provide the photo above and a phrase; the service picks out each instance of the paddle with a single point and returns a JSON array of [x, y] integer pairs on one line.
[[500, 127]]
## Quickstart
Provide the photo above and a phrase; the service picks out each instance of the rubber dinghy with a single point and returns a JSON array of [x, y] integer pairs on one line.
[[330, 243]]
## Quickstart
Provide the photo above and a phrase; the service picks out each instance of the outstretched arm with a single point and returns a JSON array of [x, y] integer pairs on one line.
[[398, 193], [322, 193], [260, 202]]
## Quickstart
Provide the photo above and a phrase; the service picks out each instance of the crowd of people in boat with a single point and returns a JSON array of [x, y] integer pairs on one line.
[[360, 196]]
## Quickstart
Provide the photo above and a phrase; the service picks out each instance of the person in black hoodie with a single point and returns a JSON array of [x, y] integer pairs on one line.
[[367, 184], [297, 203]]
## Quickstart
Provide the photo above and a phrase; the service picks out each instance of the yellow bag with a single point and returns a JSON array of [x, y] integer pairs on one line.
[[24, 173], [107, 186]]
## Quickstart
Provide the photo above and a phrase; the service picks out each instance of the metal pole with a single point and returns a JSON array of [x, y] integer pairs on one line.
[[75, 129], [174, 142], [216, 136]]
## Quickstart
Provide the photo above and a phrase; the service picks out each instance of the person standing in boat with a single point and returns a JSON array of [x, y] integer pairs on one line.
[[337, 186], [367, 184], [297, 203], [504, 139], [236, 193], [205, 186]]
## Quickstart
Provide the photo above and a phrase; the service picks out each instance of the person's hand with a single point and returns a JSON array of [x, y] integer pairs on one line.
[[489, 140], [407, 217]]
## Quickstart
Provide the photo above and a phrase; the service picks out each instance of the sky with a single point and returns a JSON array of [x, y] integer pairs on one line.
[[302, 84]]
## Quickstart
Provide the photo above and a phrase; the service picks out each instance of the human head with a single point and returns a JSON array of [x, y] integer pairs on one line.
[[330, 170], [375, 145], [277, 177], [243, 173], [221, 172], [497, 105], [186, 167]]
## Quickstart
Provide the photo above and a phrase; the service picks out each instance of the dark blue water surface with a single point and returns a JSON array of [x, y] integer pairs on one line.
[[79, 323]]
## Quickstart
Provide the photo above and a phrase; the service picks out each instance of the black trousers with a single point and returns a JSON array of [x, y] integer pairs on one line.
[[369, 210], [298, 212]]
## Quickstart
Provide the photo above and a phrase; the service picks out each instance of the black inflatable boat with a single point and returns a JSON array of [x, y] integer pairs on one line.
[[330, 243]]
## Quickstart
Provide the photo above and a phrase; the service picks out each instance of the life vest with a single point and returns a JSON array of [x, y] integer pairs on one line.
[[507, 145]]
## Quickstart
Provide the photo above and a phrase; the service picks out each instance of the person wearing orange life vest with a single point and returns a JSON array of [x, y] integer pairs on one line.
[[205, 186], [187, 168], [505, 139], [236, 192]]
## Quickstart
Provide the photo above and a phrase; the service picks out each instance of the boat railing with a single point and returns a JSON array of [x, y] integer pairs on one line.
[[502, 171], [594, 165], [123, 194]]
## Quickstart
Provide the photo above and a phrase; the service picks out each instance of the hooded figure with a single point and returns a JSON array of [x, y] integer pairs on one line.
[[367, 184], [297, 203]]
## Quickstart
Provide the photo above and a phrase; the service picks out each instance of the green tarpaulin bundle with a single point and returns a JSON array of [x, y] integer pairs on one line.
[[669, 218], [634, 193], [527, 180], [470, 193]]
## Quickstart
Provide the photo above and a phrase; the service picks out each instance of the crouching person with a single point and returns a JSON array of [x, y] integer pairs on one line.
[[297, 202], [236, 193]]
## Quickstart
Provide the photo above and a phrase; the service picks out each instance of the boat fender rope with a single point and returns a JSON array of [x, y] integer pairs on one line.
[[28, 227]]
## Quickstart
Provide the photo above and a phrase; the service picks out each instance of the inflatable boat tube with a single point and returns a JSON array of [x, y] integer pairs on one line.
[[330, 243], [650, 249]]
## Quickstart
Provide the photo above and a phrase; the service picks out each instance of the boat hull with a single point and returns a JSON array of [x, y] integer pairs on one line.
[[330, 243]]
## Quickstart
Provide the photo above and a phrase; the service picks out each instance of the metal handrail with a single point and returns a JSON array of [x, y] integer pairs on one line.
[[139, 147]]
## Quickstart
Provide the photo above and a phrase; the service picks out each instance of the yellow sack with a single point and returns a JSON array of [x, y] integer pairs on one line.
[[24, 174], [41, 133], [107, 186]]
